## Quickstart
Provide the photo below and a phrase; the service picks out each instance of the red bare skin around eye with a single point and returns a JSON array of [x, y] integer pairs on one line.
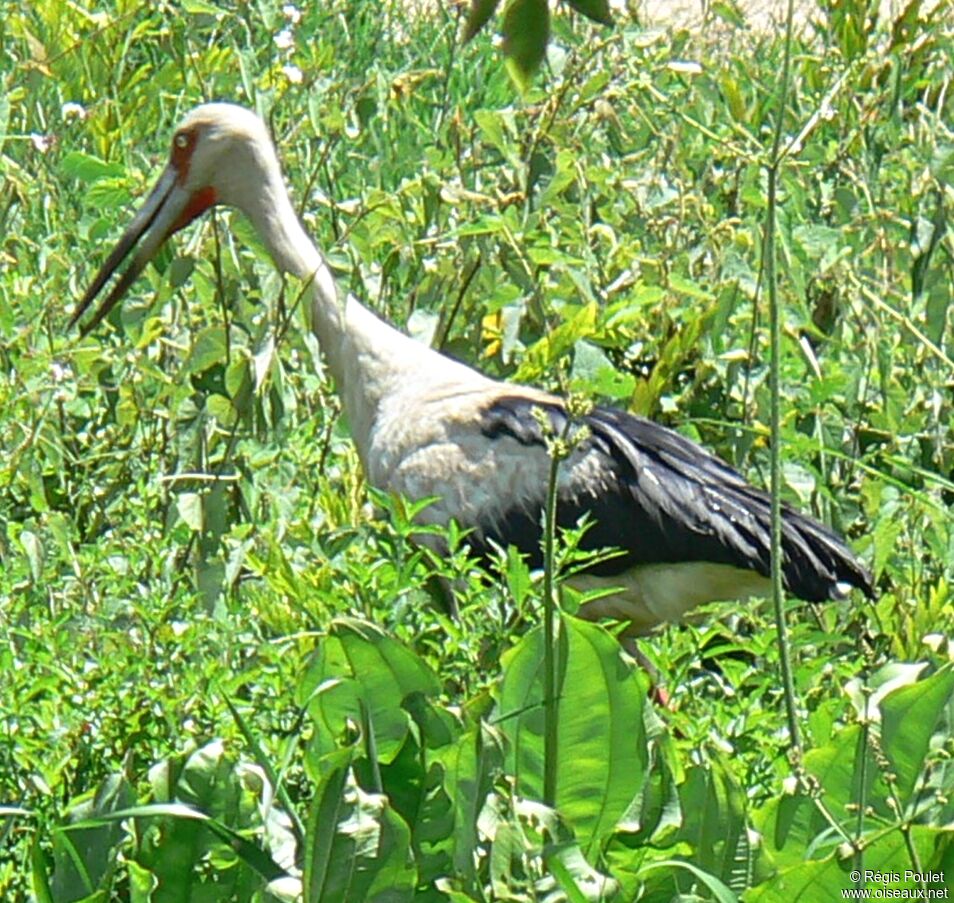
[[182, 153], [202, 199]]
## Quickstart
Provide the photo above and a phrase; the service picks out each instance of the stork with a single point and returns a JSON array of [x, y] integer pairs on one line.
[[689, 527]]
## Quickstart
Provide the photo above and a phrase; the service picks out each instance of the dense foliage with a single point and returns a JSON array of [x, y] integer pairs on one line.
[[223, 664]]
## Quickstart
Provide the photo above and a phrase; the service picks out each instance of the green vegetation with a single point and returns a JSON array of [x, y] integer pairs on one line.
[[222, 665]]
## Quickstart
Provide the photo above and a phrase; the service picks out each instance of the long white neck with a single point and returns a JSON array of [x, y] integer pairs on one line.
[[368, 359]]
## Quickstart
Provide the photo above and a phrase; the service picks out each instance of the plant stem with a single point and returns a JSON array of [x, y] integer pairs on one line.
[[775, 355], [550, 609]]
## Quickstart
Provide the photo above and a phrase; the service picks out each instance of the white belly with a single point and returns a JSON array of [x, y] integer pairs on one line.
[[651, 594]]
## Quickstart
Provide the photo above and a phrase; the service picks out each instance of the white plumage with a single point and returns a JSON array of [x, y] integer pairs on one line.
[[691, 529]]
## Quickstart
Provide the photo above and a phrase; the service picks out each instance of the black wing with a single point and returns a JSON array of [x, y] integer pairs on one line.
[[661, 498]]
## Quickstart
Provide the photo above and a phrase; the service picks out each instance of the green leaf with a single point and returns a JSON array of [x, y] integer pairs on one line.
[[594, 373], [360, 675], [597, 10], [201, 8], [821, 243], [470, 767], [543, 354], [715, 823], [792, 824], [40, 868], [87, 168], [208, 349], [189, 506], [357, 848], [167, 851], [478, 16], [909, 718], [729, 12], [525, 30], [720, 892], [108, 194], [33, 549], [601, 747], [577, 877], [814, 881], [733, 96], [83, 848], [688, 287]]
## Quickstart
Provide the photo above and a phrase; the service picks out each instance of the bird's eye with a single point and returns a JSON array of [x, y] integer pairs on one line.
[[181, 140]]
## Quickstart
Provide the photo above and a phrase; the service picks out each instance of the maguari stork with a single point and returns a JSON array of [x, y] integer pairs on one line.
[[689, 528]]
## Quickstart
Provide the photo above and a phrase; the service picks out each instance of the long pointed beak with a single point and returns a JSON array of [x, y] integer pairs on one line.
[[168, 208]]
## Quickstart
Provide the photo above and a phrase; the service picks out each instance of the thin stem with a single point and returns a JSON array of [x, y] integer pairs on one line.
[[775, 356], [550, 608], [559, 447]]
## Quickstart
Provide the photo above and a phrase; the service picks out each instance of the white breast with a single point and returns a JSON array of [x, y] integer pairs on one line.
[[431, 445]]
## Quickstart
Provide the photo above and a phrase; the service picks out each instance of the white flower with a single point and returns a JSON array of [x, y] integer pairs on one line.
[[293, 74], [72, 110], [292, 13], [41, 142], [285, 40]]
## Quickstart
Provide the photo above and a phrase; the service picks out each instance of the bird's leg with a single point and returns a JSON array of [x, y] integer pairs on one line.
[[657, 690]]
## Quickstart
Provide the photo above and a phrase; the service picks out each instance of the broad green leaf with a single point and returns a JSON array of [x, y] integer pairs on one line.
[[180, 270], [263, 359], [364, 676], [581, 882], [108, 194], [189, 506], [87, 168], [689, 287], [815, 880], [729, 12], [357, 848], [838, 769], [597, 10], [821, 243], [544, 353], [380, 660], [593, 373], [470, 767], [201, 8], [866, 695], [601, 748], [565, 174], [83, 850], [204, 808], [478, 16], [181, 819], [792, 824], [808, 882], [715, 822], [525, 30], [497, 129], [733, 96], [720, 892], [221, 409], [208, 349], [910, 716]]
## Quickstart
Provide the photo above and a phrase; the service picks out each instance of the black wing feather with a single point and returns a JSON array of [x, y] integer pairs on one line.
[[666, 499]]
